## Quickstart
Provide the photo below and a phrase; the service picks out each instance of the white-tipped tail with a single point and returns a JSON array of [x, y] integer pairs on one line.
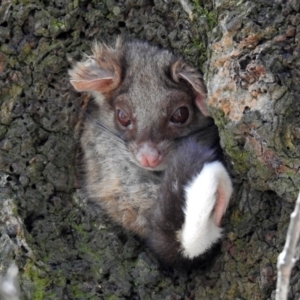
[[207, 197]]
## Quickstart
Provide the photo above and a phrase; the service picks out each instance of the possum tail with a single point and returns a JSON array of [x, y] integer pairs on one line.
[[185, 223]]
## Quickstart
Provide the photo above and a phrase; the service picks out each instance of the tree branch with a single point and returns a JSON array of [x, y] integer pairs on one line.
[[286, 258]]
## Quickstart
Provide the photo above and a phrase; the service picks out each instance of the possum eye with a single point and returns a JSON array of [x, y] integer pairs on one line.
[[123, 118], [180, 115]]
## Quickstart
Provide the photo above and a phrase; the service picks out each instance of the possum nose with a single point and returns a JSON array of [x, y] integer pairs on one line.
[[149, 161], [149, 156]]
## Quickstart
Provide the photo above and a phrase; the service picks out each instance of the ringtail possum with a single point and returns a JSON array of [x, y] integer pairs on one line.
[[151, 151]]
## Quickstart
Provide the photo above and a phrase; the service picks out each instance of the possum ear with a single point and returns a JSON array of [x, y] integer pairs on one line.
[[100, 72], [182, 71]]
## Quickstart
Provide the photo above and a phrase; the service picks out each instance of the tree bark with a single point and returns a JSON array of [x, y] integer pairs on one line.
[[66, 250]]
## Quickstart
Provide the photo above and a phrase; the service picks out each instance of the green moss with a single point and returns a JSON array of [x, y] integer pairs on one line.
[[272, 256], [23, 2], [243, 269], [77, 292], [16, 90], [239, 157], [85, 247], [232, 292], [113, 297], [111, 16], [251, 289], [237, 216], [26, 49], [57, 25], [206, 20], [15, 210], [200, 11], [76, 3], [219, 117], [40, 281]]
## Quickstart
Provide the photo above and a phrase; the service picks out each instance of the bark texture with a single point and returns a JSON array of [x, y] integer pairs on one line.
[[253, 82], [63, 249]]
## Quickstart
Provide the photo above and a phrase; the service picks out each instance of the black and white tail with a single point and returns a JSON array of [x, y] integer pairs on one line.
[[186, 221]]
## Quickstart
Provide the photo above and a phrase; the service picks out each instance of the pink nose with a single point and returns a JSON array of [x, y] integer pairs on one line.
[[149, 161], [148, 156]]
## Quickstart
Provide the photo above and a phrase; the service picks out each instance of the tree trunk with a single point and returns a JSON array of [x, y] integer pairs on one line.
[[64, 249]]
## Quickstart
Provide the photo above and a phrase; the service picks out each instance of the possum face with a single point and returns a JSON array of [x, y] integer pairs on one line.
[[151, 120], [150, 97]]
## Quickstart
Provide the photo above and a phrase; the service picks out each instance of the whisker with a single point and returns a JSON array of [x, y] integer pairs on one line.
[[106, 129]]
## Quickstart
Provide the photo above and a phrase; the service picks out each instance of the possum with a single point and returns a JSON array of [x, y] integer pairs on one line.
[[151, 153]]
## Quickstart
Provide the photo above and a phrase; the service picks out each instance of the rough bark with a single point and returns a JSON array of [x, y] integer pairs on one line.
[[63, 249], [253, 82]]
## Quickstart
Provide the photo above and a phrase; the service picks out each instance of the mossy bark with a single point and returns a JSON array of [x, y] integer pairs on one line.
[[63, 249]]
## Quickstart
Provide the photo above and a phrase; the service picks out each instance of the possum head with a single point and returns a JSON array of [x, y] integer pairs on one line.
[[147, 95]]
